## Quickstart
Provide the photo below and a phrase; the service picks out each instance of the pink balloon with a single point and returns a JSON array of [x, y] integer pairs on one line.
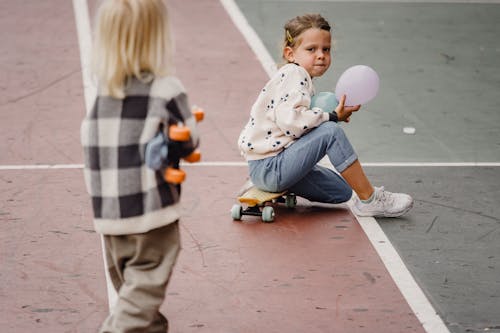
[[359, 83]]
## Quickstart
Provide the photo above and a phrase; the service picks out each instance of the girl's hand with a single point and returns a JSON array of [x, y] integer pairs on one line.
[[344, 112]]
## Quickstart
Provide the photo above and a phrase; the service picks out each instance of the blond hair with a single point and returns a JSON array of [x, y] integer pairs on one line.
[[132, 39], [299, 24]]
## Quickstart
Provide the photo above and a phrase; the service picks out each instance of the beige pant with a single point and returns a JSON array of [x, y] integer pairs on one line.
[[140, 266]]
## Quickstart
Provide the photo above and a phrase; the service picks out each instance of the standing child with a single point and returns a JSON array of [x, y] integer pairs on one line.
[[285, 139], [134, 208]]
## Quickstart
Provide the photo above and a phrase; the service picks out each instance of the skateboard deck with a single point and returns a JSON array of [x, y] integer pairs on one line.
[[256, 201], [254, 196]]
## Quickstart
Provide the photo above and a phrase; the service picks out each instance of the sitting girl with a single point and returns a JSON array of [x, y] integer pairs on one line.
[[285, 139]]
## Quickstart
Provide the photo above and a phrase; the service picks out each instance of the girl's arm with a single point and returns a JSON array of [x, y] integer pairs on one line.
[[293, 114]]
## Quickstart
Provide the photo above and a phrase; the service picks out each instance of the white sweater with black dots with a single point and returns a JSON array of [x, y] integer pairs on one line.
[[281, 114]]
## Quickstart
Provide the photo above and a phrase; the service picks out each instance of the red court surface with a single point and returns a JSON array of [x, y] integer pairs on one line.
[[313, 270]]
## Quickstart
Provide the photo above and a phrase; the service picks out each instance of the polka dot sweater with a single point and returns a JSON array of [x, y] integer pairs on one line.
[[281, 114]]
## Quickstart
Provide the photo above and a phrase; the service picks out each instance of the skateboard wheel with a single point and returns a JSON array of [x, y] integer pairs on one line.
[[268, 214], [236, 212], [174, 176], [290, 201], [179, 133], [198, 114], [195, 156]]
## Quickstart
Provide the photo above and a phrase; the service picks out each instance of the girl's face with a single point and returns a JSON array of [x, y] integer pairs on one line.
[[312, 51]]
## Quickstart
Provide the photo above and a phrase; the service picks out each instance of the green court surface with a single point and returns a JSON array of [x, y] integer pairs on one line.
[[439, 69]]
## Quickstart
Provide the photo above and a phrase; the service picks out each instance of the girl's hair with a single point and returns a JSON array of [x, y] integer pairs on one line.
[[299, 24], [132, 39]]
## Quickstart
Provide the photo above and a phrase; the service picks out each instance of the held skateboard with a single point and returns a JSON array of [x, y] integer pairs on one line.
[[256, 202], [156, 154]]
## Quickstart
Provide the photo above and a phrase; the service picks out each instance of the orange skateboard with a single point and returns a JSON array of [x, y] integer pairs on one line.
[[157, 150]]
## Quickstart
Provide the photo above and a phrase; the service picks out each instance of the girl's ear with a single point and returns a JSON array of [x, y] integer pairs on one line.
[[288, 54]]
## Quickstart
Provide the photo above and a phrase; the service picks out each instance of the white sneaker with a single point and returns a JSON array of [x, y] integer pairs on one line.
[[384, 204]]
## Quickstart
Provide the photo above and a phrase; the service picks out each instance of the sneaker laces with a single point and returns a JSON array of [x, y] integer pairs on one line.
[[384, 196]]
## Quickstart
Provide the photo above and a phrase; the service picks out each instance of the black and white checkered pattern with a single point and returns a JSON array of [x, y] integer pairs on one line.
[[127, 196]]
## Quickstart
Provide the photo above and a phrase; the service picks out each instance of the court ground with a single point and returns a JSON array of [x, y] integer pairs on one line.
[[316, 268]]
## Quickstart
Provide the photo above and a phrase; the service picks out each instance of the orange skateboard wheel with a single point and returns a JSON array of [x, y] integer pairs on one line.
[[194, 157], [179, 133], [198, 114], [174, 176]]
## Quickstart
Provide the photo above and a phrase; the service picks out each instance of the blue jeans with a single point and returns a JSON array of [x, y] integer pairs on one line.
[[295, 169]]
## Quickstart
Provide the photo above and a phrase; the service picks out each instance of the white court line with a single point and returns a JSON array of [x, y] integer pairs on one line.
[[410, 1], [410, 290], [369, 164], [431, 164], [250, 36], [81, 10], [244, 164], [41, 166]]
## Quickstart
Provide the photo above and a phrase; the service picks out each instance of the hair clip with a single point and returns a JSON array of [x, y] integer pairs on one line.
[[289, 37]]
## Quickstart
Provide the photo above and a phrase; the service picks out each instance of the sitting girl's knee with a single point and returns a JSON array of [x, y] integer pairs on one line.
[[341, 197], [346, 196], [338, 197]]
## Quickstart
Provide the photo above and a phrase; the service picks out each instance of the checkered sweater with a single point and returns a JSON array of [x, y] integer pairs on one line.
[[127, 196]]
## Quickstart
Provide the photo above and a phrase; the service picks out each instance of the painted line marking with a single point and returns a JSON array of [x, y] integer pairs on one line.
[[81, 12], [414, 1], [41, 166], [83, 30], [409, 288], [244, 164], [431, 164], [250, 36]]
